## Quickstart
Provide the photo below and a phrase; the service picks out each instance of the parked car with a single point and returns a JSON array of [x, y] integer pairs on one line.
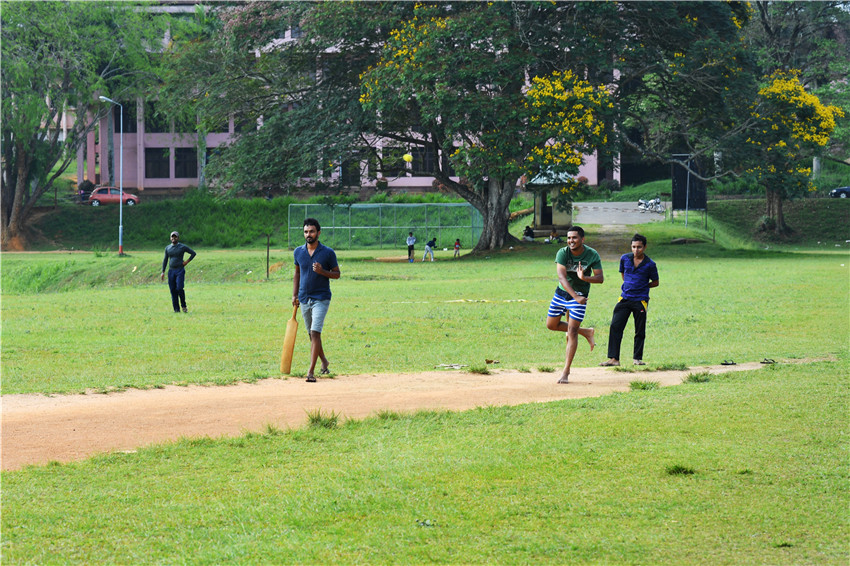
[[107, 195], [840, 192]]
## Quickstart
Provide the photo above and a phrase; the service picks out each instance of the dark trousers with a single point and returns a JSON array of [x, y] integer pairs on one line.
[[622, 312], [409, 252], [176, 277]]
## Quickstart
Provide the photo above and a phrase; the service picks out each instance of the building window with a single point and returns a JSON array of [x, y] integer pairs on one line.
[[156, 162], [129, 118], [351, 172], [424, 160], [185, 163]]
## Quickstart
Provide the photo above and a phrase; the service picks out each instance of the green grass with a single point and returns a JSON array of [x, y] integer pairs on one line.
[[750, 468], [203, 220], [643, 385], [78, 321], [822, 224], [746, 468]]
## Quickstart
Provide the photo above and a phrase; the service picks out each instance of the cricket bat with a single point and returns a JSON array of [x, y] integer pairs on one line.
[[289, 342]]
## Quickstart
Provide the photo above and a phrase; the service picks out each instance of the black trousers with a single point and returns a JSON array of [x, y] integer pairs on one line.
[[622, 311], [176, 277]]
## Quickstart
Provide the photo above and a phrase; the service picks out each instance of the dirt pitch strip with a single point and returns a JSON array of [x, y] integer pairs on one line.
[[37, 429]]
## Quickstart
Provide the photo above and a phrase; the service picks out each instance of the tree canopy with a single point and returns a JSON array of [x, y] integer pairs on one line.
[[504, 89], [57, 57]]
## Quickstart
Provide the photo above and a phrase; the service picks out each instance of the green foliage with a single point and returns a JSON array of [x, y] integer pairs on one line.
[[679, 470], [201, 219], [58, 56], [811, 38], [815, 223], [789, 127], [700, 377], [318, 419], [643, 385]]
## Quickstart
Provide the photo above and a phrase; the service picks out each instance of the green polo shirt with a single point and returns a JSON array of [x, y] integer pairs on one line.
[[589, 260]]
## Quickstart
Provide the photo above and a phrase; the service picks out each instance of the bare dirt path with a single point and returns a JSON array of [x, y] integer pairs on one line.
[[37, 429]]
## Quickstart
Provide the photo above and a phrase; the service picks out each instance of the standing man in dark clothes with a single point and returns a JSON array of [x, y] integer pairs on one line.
[[640, 274], [315, 266], [176, 270]]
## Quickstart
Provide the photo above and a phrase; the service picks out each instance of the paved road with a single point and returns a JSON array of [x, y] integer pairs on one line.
[[619, 213]]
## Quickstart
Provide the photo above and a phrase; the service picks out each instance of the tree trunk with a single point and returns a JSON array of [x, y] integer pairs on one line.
[[110, 152], [494, 206], [12, 234], [774, 211]]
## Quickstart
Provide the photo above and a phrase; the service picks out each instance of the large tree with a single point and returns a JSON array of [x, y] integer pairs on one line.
[[490, 84], [791, 125], [58, 57], [812, 40]]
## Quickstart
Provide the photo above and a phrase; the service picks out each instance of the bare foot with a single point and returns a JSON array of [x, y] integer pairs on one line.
[[565, 378], [590, 338]]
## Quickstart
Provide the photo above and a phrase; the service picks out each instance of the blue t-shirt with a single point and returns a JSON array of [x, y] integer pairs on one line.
[[636, 279], [312, 285]]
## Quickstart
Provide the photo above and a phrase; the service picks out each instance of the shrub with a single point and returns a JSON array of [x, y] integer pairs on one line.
[[608, 186], [643, 385], [765, 224]]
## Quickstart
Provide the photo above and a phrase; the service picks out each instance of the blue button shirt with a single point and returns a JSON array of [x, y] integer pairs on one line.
[[636, 279], [312, 285]]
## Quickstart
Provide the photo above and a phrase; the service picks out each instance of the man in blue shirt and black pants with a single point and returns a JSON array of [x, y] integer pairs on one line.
[[315, 266], [640, 274]]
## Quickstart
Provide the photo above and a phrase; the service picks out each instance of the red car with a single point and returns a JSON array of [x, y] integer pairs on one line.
[[105, 195]]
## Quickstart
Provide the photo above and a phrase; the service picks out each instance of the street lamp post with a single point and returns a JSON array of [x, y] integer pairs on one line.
[[120, 177]]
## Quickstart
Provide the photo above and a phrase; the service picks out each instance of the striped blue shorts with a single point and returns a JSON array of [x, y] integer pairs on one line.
[[563, 305]]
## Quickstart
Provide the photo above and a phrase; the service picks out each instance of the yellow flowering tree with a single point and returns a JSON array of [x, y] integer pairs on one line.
[[464, 79], [788, 126]]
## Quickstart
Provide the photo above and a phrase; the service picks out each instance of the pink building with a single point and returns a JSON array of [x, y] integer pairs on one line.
[[158, 155]]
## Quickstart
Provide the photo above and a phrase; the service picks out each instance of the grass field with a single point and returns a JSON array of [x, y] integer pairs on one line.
[[80, 321], [748, 468]]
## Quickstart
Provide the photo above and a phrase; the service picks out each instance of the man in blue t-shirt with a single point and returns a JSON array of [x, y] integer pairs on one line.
[[577, 267], [315, 266], [640, 274]]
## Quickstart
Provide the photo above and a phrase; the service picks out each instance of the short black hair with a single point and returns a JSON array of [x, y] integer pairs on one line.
[[312, 222], [578, 229], [639, 238]]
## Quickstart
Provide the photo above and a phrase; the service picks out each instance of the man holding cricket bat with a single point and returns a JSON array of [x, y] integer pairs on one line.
[[315, 266]]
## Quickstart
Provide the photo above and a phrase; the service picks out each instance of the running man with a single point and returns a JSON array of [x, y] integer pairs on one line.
[[577, 267]]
